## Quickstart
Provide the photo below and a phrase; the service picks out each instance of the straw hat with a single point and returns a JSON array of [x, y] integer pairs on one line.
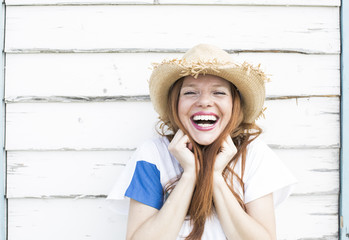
[[208, 59]]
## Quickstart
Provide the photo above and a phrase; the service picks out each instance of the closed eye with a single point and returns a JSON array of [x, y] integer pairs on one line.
[[220, 93], [189, 93]]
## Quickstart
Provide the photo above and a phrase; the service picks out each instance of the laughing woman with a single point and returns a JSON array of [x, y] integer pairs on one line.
[[208, 176]]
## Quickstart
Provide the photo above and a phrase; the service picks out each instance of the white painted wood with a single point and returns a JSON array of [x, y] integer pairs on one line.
[[257, 2], [110, 125], [311, 217], [79, 125], [72, 174], [111, 74], [302, 122], [315, 169], [74, 28], [83, 2], [65, 173], [58, 219], [88, 49], [215, 2]]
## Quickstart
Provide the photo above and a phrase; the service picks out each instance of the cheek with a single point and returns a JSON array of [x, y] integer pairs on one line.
[[227, 111], [182, 110], [183, 107]]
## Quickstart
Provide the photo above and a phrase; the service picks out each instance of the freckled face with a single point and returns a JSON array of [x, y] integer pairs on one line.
[[205, 107]]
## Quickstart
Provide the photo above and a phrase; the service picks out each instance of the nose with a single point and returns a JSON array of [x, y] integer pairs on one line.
[[205, 100]]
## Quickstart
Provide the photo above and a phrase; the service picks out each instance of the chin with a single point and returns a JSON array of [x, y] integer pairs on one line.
[[204, 142]]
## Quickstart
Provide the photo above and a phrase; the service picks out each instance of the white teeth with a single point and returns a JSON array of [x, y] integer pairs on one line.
[[205, 117], [204, 125]]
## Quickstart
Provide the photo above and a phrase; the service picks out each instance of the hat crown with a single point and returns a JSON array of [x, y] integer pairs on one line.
[[206, 53]]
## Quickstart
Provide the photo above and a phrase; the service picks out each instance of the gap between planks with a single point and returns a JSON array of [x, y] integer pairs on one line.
[[136, 98], [273, 146], [159, 50], [157, 3], [101, 196]]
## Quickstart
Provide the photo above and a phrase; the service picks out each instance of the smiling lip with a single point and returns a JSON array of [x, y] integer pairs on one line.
[[204, 127]]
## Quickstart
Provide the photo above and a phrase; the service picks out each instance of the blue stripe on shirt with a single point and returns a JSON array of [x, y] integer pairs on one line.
[[145, 186]]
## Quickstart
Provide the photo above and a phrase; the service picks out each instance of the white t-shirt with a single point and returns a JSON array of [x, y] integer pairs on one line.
[[152, 167]]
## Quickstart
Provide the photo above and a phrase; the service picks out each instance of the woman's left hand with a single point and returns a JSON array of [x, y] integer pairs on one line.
[[228, 150]]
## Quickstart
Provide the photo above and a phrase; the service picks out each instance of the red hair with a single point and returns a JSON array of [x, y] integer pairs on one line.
[[201, 206]]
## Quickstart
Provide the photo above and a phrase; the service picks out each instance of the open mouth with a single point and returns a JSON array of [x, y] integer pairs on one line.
[[204, 121]]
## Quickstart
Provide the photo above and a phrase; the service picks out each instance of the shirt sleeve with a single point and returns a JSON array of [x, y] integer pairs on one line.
[[145, 186], [139, 180], [266, 174]]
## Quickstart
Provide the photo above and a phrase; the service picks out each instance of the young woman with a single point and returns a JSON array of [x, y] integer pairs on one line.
[[208, 176]]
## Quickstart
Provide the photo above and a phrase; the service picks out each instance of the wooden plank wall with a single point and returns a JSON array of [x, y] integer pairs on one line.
[[77, 102]]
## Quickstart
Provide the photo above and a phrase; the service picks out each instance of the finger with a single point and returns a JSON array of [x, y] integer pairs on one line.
[[179, 134], [184, 140], [228, 145], [229, 140], [226, 142], [190, 146], [180, 141]]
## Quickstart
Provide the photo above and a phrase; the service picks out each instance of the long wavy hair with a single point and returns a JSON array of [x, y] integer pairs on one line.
[[202, 206]]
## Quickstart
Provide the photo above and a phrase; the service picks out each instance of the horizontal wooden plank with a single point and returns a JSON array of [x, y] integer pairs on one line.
[[67, 174], [72, 28], [310, 217], [71, 174], [79, 125], [112, 125], [257, 2], [113, 74], [67, 219], [215, 2], [82, 2], [293, 122], [317, 170]]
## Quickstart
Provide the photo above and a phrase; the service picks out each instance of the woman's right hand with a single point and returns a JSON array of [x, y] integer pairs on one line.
[[179, 148]]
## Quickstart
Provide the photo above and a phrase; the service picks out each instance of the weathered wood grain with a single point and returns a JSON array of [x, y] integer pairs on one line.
[[67, 219], [79, 125], [310, 217], [111, 125], [114, 74], [317, 170], [71, 174], [88, 2], [302, 122], [256, 2], [79, 57], [213, 2], [300, 29]]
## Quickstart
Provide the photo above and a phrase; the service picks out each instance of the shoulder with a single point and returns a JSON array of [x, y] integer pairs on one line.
[[258, 152], [265, 173], [155, 150], [153, 145], [258, 145], [154, 142], [260, 161]]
